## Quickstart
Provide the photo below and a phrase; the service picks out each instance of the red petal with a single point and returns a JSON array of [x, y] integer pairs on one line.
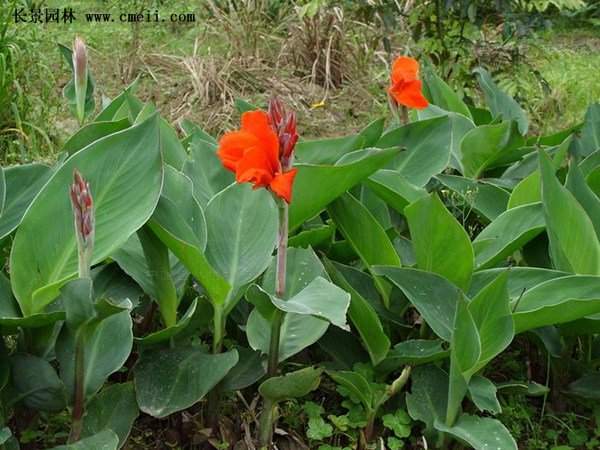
[[409, 94], [281, 185], [232, 147], [255, 168], [257, 123], [405, 68]]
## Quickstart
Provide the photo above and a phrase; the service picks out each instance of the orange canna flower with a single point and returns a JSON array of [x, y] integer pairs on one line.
[[405, 88], [253, 154]]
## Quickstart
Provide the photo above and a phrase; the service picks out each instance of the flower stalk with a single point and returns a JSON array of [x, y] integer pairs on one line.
[[82, 204]]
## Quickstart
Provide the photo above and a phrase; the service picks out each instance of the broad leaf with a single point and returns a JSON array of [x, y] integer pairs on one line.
[[482, 433], [291, 385], [105, 440], [91, 133], [483, 393], [394, 189], [436, 234], [171, 380], [414, 352], [125, 175], [316, 186], [428, 398], [574, 244]]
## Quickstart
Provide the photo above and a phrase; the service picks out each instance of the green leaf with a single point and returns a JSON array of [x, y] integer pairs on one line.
[[102, 356], [365, 235], [509, 232], [91, 133], [483, 393], [242, 230], [589, 140], [357, 386], [520, 279], [363, 316], [428, 398], [105, 440], [481, 147], [413, 352], [36, 383], [465, 353], [442, 95], [320, 298], [434, 297], [557, 301], [205, 170], [114, 408], [298, 331], [291, 385], [316, 186], [248, 370], [171, 380], [329, 151], [436, 234], [482, 433], [130, 257], [171, 331], [487, 199], [22, 185], [500, 103], [428, 148], [492, 316], [587, 387], [574, 246], [124, 172], [399, 422], [584, 195], [190, 128], [394, 189]]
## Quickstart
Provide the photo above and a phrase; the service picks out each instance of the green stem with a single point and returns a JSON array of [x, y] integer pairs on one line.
[[265, 431], [79, 396], [403, 115], [267, 417], [214, 395]]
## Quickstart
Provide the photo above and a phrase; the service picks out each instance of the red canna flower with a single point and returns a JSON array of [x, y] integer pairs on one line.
[[405, 88], [83, 214], [261, 152]]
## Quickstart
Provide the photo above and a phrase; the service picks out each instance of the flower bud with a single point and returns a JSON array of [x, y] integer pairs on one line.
[[83, 214], [80, 76], [284, 125]]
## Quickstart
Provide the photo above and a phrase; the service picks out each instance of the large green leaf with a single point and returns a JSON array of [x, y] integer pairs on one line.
[[320, 298], [363, 316], [36, 383], [483, 146], [329, 151], [298, 331], [101, 356], [482, 433], [22, 185], [590, 202], [125, 175], [171, 380], [520, 279], [205, 170], [436, 234], [558, 301], [365, 235], [589, 140], [574, 245], [510, 231], [414, 352], [428, 398], [114, 408], [242, 231], [487, 199], [427, 144], [500, 103], [434, 297], [91, 133], [483, 394], [316, 186], [396, 191]]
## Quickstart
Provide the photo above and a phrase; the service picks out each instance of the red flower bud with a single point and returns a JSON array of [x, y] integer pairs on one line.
[[284, 125], [83, 214]]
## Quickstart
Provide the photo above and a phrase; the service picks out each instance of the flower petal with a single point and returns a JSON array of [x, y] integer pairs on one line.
[[255, 167], [257, 123], [405, 68], [282, 184], [232, 147], [409, 94]]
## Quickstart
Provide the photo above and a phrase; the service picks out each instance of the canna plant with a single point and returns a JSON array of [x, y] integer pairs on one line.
[[400, 261]]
